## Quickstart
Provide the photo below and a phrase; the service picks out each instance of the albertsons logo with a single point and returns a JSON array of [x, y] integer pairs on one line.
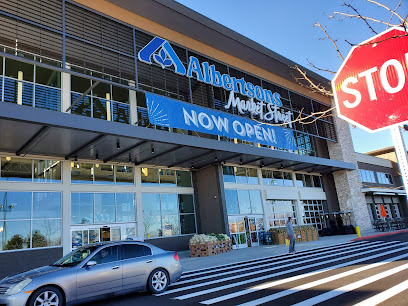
[[165, 56]]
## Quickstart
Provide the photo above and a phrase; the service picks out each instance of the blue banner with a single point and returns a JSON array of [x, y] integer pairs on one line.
[[164, 111]]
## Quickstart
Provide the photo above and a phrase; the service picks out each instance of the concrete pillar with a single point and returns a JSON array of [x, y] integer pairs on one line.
[[211, 210], [133, 104], [347, 183]]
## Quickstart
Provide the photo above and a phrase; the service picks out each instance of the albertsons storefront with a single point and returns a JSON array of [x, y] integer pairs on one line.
[[134, 120]]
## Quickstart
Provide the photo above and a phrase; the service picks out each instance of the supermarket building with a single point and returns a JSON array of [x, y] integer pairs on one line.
[[144, 119]]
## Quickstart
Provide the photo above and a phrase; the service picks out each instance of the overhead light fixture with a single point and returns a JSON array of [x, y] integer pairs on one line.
[[281, 166], [130, 159], [97, 156], [152, 149], [224, 162], [76, 158], [192, 166], [240, 161], [216, 159], [8, 158], [262, 165], [97, 165], [118, 145]]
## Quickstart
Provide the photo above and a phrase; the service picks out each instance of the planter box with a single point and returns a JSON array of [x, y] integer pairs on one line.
[[210, 248]]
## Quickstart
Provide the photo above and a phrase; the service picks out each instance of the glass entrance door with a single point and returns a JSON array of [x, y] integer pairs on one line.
[[245, 231]]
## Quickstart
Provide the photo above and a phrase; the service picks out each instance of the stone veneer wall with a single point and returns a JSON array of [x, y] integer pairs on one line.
[[348, 184]]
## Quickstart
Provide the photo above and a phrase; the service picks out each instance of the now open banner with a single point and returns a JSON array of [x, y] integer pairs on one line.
[[167, 112]]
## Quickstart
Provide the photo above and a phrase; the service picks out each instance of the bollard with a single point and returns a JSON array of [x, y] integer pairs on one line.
[[358, 231]]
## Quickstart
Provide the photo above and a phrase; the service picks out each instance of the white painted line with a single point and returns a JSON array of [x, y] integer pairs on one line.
[[313, 256], [251, 267], [319, 282], [229, 266], [339, 291], [385, 295], [261, 278]]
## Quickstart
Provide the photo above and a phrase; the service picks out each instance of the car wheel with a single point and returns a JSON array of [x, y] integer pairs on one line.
[[158, 281], [48, 295]]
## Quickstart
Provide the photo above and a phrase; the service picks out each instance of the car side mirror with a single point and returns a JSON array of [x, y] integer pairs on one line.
[[91, 263]]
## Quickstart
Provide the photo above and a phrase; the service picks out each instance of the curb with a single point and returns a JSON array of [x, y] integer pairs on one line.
[[380, 235]]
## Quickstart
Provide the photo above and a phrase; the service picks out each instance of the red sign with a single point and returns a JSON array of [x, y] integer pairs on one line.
[[383, 213], [371, 87]]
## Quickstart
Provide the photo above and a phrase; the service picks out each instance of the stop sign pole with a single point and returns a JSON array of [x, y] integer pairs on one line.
[[371, 88]]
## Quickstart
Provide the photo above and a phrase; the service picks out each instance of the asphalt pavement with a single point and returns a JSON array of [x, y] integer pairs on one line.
[[335, 270]]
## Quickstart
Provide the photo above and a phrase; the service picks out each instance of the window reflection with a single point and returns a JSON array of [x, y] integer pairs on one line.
[[16, 169], [104, 207], [48, 171], [104, 174]]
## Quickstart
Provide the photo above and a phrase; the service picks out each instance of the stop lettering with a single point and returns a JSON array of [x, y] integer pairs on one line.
[[370, 88]]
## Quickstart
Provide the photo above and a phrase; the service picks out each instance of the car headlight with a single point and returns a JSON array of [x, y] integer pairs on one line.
[[20, 286]]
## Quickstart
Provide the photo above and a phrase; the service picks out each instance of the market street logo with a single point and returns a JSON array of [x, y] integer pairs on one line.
[[165, 55], [268, 107]]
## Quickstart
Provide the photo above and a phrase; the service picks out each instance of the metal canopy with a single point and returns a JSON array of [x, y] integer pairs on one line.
[[35, 132]]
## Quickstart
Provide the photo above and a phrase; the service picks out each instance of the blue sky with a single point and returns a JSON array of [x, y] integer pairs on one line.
[[286, 27]]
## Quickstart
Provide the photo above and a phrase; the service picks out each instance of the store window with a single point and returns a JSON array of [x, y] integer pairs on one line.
[[31, 85], [16, 169], [240, 175], [165, 177], [168, 214], [243, 202], [312, 210], [384, 178], [104, 101], [99, 208], [279, 211], [367, 176], [86, 173], [30, 220]]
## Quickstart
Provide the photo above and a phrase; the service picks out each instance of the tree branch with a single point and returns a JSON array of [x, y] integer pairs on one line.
[[320, 69], [317, 24], [311, 85], [387, 8], [361, 17]]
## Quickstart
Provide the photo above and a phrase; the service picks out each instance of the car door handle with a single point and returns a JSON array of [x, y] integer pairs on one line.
[[149, 261], [116, 267]]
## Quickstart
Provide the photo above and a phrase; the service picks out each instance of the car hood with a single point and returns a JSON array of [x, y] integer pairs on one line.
[[32, 274]]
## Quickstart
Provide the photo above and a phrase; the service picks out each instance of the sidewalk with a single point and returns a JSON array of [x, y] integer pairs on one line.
[[245, 254]]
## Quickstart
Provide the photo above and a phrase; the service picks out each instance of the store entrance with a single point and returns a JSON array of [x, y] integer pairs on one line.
[[245, 230], [86, 234]]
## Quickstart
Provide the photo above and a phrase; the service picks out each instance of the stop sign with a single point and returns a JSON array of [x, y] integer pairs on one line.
[[371, 87]]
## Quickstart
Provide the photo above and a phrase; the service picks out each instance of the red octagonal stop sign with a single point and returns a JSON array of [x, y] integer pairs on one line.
[[371, 87]]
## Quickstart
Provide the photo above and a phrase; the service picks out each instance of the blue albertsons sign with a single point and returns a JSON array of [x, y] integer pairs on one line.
[[267, 107], [164, 111]]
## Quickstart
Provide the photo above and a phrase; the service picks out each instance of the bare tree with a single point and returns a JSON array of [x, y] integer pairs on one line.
[[392, 17]]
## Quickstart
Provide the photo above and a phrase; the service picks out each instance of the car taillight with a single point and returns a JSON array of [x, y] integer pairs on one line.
[[176, 257]]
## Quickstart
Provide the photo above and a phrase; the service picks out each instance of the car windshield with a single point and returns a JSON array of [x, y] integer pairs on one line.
[[75, 257]]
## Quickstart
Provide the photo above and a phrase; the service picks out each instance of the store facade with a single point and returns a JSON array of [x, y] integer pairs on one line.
[[117, 123]]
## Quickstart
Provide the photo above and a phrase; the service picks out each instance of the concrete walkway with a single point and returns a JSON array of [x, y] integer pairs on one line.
[[245, 254]]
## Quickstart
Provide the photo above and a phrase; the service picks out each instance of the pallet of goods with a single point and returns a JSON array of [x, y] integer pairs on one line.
[[211, 244]]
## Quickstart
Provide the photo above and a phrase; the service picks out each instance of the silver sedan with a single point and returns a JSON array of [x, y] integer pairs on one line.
[[91, 272]]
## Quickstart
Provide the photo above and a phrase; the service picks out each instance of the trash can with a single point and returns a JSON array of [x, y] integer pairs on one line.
[[267, 238]]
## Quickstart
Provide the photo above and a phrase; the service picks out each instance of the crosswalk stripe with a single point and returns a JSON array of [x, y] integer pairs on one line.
[[182, 297], [294, 278], [339, 291], [251, 267], [261, 260], [323, 280], [351, 248], [250, 262], [385, 295]]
